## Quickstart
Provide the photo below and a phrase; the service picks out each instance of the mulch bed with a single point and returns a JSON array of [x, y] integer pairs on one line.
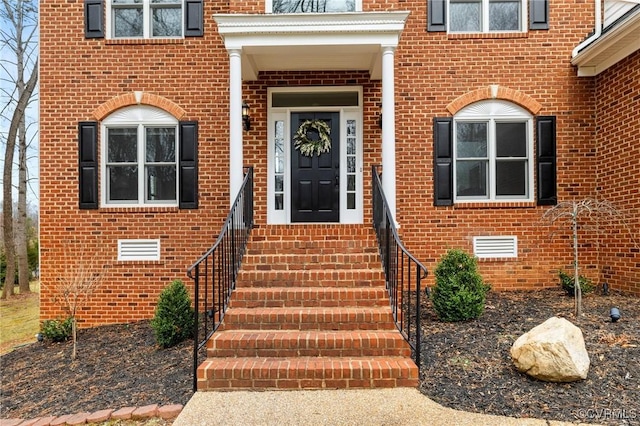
[[466, 366]]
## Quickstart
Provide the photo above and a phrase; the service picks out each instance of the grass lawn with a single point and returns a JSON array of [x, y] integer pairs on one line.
[[19, 319]]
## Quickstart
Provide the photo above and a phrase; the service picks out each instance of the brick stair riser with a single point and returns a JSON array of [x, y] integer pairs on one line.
[[306, 373], [270, 344], [311, 278], [312, 261], [279, 297], [308, 319]]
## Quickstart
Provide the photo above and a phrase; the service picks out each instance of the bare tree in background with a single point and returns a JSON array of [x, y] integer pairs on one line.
[[18, 36], [585, 215]]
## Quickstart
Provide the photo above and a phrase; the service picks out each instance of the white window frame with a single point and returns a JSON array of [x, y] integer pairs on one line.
[[524, 13], [493, 111], [140, 117], [269, 6], [146, 26]]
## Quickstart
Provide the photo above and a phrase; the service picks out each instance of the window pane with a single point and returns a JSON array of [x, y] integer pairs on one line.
[[279, 183], [471, 140], [122, 145], [351, 201], [167, 22], [303, 6], [504, 16], [511, 178], [161, 183], [123, 183], [161, 145], [471, 178], [351, 164], [279, 200], [465, 16], [128, 22], [511, 139], [351, 182]]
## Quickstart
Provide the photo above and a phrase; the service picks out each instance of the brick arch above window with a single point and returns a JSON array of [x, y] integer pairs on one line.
[[138, 98], [495, 92]]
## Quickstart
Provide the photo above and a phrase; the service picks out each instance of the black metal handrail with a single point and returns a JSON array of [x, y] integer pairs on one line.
[[214, 274], [403, 272]]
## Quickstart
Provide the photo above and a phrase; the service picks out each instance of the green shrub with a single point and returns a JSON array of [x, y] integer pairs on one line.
[[56, 330], [568, 284], [460, 292], [173, 319]]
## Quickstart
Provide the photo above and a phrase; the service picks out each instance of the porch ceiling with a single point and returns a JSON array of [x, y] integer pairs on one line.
[[311, 42], [611, 47]]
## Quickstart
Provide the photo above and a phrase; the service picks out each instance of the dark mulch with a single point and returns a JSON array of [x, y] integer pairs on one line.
[[465, 366], [468, 366], [117, 366]]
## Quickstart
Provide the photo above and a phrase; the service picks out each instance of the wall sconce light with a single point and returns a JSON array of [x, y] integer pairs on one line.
[[380, 117], [246, 120]]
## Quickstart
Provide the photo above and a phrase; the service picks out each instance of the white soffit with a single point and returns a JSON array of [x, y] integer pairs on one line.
[[311, 41], [611, 47]]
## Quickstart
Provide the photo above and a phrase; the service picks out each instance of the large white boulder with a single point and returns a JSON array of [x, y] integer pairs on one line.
[[554, 351]]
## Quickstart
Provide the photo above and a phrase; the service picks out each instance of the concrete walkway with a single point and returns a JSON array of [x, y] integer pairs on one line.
[[393, 407]]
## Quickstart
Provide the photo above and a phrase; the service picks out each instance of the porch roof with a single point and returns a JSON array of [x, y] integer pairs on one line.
[[617, 41], [311, 41]]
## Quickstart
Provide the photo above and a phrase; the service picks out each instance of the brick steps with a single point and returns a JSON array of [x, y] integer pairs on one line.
[[272, 297], [310, 311], [272, 344], [342, 318], [313, 278], [306, 373]]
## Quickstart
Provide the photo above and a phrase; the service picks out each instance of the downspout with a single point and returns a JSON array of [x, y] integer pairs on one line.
[[596, 34]]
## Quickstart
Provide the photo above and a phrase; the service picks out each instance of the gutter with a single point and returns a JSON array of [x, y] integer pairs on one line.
[[596, 34]]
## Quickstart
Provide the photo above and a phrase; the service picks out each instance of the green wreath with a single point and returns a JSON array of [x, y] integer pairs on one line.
[[308, 146]]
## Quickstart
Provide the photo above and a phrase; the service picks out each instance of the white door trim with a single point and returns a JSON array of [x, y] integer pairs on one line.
[[281, 214]]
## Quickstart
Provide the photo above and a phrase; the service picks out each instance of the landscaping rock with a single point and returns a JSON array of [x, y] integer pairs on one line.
[[554, 351]]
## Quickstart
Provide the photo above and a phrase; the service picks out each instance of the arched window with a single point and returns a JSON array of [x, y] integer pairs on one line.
[[140, 160], [493, 152]]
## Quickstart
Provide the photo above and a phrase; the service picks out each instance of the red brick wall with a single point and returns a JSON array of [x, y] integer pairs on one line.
[[80, 76], [618, 149]]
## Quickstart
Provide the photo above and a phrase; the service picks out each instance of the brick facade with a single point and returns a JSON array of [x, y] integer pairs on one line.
[[436, 74]]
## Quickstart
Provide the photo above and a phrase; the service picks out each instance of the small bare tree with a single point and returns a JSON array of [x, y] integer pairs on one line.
[[586, 214], [80, 278]]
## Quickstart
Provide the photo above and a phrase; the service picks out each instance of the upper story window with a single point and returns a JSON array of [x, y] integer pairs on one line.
[[313, 6], [140, 152], [493, 152], [486, 15], [145, 18]]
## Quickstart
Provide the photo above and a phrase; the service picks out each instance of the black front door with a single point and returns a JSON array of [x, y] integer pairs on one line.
[[315, 186]]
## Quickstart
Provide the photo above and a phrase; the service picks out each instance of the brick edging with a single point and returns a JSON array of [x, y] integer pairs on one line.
[[166, 412]]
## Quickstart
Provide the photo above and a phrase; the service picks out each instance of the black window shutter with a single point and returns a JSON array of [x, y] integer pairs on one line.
[[436, 15], [539, 14], [188, 165], [546, 146], [443, 161], [193, 18], [88, 164], [93, 19]]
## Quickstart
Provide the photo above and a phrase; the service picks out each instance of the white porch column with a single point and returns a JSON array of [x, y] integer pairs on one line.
[[235, 124], [389, 129]]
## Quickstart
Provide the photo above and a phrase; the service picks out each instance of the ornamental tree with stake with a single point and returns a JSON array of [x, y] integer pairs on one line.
[[582, 215], [80, 278]]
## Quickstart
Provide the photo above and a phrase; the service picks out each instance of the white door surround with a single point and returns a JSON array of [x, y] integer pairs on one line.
[[279, 152]]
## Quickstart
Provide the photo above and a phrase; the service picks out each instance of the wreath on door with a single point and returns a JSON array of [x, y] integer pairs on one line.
[[308, 146]]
